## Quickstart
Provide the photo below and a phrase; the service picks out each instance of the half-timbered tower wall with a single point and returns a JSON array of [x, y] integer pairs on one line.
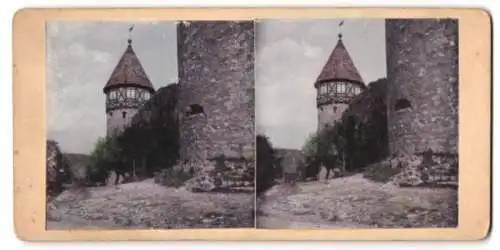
[[127, 90], [338, 82]]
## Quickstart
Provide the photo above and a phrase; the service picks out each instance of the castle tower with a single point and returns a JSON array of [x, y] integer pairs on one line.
[[126, 91], [422, 90], [216, 89], [338, 82]]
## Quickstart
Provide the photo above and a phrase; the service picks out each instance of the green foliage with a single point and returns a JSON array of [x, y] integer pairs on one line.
[[58, 172], [150, 147], [104, 158], [266, 167], [310, 146]]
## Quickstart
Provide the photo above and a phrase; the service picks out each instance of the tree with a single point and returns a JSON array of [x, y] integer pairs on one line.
[[266, 170], [57, 168], [105, 158]]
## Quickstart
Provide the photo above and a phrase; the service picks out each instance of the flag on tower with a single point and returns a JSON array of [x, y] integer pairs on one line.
[[341, 23], [131, 28]]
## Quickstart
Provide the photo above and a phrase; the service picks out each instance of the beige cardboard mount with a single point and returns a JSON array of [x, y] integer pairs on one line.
[[29, 64]]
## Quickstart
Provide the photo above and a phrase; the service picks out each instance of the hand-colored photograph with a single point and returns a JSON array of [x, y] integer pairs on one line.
[[357, 123], [150, 125]]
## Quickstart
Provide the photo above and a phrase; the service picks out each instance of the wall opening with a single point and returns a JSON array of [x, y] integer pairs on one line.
[[124, 114], [402, 104], [195, 109], [334, 109]]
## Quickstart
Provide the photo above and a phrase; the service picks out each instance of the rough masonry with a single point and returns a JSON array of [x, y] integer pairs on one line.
[[422, 99], [216, 89]]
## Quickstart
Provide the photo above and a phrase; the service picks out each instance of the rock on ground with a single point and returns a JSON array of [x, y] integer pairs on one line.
[[148, 205], [355, 202]]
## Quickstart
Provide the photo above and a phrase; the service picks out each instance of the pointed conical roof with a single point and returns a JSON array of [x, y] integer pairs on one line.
[[339, 66], [128, 72]]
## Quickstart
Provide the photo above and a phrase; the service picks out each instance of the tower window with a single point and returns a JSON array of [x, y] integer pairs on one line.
[[357, 90], [124, 114], [340, 87], [334, 109], [194, 109], [323, 89], [146, 95], [110, 113], [130, 93], [112, 95], [402, 104]]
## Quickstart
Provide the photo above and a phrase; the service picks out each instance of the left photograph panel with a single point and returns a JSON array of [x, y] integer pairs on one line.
[[150, 125]]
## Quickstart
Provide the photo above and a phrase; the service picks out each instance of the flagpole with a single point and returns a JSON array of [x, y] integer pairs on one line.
[[340, 25], [130, 33]]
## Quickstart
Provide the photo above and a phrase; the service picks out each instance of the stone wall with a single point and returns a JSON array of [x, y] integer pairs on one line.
[[422, 100], [160, 108], [368, 114], [216, 89], [422, 93]]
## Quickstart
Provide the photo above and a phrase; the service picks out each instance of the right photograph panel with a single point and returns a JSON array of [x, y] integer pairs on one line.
[[357, 123]]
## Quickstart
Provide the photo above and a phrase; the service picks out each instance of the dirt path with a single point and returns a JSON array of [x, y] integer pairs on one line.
[[355, 202], [148, 205]]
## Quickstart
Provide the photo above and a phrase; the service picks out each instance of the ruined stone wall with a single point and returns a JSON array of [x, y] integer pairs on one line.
[[422, 92], [370, 101], [368, 112], [160, 108], [216, 79]]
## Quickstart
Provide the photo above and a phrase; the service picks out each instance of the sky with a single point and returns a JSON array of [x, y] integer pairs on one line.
[[80, 59], [289, 57]]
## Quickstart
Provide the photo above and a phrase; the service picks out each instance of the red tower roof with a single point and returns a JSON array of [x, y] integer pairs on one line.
[[339, 66], [128, 72]]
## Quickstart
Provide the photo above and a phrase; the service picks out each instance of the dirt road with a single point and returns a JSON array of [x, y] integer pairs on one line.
[[148, 205], [355, 202]]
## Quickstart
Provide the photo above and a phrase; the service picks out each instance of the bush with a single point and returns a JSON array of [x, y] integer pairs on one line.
[[380, 172], [57, 169], [266, 167]]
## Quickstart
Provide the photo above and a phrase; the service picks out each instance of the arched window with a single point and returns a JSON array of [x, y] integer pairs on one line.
[[124, 114], [194, 109], [146, 95], [402, 104]]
